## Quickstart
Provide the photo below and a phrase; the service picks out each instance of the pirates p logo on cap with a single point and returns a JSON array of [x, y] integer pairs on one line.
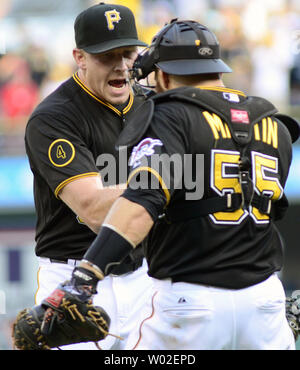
[[112, 16], [61, 152]]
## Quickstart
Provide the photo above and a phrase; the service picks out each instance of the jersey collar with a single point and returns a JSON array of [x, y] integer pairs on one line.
[[222, 89], [108, 105]]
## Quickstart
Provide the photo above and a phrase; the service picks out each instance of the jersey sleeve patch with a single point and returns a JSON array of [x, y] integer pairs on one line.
[[61, 152], [144, 148]]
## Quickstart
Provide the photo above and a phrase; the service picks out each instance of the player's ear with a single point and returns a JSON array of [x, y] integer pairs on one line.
[[80, 58], [162, 81]]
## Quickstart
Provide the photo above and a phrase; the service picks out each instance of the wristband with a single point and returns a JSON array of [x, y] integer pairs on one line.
[[108, 249]]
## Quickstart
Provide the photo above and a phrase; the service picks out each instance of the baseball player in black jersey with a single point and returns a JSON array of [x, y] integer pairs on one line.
[[69, 137], [208, 170]]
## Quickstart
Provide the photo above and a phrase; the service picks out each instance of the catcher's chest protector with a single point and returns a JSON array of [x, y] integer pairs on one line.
[[252, 110]]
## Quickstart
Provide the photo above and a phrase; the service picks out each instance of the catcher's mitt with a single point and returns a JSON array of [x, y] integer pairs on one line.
[[63, 318], [293, 312]]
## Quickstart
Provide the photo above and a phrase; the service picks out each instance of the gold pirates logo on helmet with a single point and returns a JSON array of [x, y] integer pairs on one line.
[[112, 16]]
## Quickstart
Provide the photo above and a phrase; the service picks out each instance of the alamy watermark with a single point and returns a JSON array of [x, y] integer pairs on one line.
[[156, 171]]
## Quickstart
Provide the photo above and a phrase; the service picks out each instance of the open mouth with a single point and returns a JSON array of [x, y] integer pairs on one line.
[[117, 83]]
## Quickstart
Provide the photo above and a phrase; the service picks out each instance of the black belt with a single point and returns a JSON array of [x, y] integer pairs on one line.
[[58, 261], [126, 266], [63, 260]]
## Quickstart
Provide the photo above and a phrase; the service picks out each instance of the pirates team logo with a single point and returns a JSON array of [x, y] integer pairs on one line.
[[61, 152], [112, 17], [144, 148]]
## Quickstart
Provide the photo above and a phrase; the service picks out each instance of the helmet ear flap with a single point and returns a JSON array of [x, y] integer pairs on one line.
[[144, 65]]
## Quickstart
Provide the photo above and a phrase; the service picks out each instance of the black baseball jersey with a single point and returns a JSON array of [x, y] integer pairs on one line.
[[188, 153], [64, 138]]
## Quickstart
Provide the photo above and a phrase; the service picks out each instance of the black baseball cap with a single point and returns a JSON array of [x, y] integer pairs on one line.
[[103, 27]]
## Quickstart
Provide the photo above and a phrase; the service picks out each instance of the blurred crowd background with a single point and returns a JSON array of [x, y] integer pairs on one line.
[[260, 40]]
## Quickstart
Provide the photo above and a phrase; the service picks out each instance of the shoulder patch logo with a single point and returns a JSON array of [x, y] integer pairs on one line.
[[234, 98], [144, 148], [61, 152], [112, 16]]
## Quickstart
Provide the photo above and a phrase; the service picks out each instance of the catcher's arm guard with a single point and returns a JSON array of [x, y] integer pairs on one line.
[[63, 318], [293, 312]]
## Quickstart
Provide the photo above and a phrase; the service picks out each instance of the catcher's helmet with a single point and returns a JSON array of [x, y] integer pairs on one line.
[[182, 48]]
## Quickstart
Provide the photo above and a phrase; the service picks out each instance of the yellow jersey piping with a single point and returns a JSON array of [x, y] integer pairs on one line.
[[222, 89], [157, 175], [38, 285], [73, 178], [108, 105]]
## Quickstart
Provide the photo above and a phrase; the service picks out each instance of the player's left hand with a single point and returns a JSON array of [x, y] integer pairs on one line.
[[67, 316]]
